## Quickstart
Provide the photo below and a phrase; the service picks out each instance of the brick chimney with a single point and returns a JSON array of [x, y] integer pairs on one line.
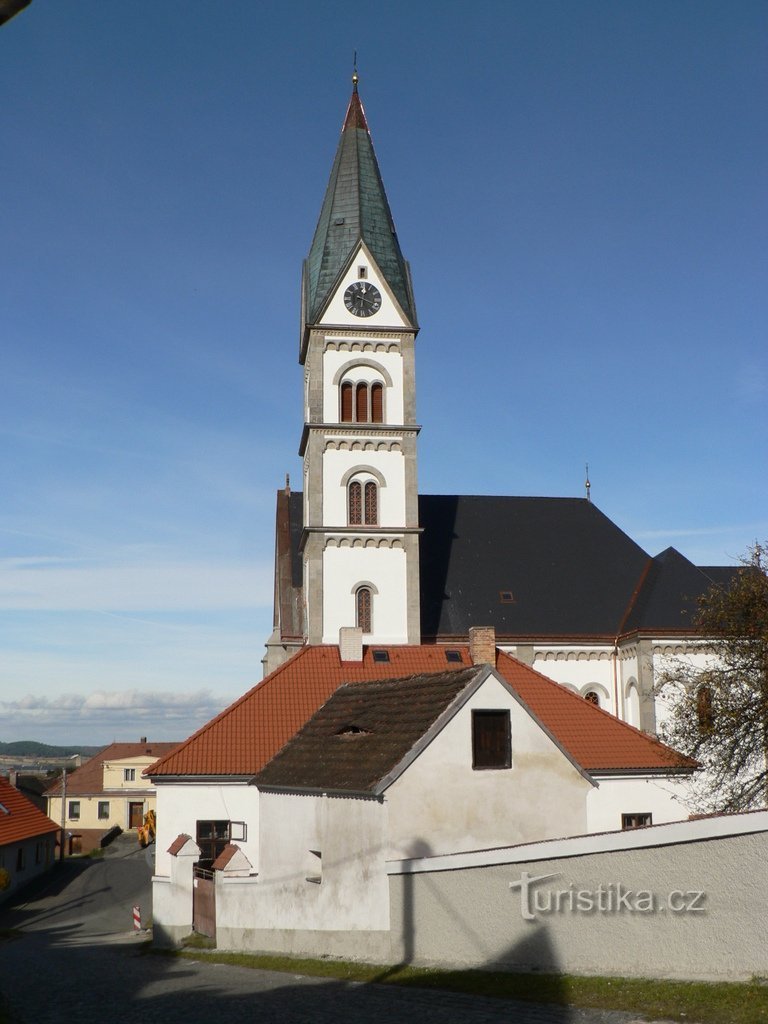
[[351, 643], [482, 645]]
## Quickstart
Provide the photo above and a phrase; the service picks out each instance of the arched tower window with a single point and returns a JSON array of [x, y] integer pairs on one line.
[[363, 503], [364, 609], [355, 502], [593, 697], [346, 402], [704, 710]]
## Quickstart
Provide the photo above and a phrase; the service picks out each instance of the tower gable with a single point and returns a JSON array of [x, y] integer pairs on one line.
[[362, 271]]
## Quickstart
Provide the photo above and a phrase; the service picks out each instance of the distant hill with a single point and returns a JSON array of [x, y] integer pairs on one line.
[[30, 748]]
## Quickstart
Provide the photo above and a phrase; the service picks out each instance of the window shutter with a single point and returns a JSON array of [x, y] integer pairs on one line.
[[361, 397], [346, 403], [377, 403]]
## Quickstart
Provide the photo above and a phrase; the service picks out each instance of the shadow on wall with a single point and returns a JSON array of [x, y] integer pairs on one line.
[[536, 953]]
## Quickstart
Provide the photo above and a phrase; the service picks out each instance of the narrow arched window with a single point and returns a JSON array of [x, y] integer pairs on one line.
[[364, 610], [355, 494], [377, 403], [371, 504], [704, 711], [346, 402], [361, 403]]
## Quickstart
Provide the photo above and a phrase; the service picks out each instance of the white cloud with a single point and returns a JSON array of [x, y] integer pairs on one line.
[[97, 718]]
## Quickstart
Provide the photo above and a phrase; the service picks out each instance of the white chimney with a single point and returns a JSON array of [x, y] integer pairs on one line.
[[351, 643]]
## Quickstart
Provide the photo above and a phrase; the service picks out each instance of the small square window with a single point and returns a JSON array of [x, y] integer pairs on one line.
[[453, 656], [491, 739], [103, 810], [362, 273], [381, 655], [129, 774], [636, 820], [74, 810], [506, 597]]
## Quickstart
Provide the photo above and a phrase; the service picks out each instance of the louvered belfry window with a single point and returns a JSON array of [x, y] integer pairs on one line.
[[491, 739], [365, 609], [355, 503], [361, 403], [377, 403], [346, 402], [371, 504]]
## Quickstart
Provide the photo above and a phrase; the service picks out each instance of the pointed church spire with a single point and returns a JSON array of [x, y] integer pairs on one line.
[[355, 209]]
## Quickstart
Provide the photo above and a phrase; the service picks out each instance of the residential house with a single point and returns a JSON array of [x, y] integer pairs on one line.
[[27, 840], [109, 791], [575, 768]]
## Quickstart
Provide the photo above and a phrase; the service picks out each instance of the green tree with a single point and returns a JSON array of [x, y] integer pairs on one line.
[[719, 713]]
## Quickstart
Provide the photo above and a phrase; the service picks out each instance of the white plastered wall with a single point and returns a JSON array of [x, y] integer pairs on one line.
[[391, 497], [180, 807], [664, 798], [442, 804], [345, 568], [348, 889]]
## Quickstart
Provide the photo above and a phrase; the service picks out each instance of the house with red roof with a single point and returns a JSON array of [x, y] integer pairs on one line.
[[27, 840], [109, 791], [230, 811]]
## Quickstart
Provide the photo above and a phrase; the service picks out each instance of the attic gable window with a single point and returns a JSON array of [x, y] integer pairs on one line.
[[351, 731], [506, 597], [491, 740]]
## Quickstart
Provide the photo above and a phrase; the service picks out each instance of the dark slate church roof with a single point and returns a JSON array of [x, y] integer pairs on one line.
[[355, 208], [533, 568]]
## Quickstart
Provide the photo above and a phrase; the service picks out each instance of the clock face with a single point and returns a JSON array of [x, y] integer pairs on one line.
[[362, 299]]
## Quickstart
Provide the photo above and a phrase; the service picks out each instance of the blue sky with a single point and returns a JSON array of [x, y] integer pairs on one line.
[[580, 189]]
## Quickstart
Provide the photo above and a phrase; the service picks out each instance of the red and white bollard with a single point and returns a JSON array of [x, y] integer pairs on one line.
[[137, 919]]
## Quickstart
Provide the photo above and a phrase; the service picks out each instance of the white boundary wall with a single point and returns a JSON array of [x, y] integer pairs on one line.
[[683, 900]]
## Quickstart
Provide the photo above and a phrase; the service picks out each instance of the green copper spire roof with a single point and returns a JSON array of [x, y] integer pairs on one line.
[[355, 208]]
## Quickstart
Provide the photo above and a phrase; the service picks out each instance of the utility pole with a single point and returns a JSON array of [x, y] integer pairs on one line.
[[63, 811]]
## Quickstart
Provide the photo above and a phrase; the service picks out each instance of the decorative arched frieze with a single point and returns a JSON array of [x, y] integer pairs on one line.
[[572, 655]]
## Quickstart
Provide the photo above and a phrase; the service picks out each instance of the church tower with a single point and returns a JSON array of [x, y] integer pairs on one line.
[[360, 532]]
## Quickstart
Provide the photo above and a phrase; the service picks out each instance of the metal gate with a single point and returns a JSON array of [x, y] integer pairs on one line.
[[204, 902]]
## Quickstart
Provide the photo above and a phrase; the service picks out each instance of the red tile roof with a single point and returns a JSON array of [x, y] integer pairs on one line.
[[593, 737], [20, 819], [241, 740], [88, 780]]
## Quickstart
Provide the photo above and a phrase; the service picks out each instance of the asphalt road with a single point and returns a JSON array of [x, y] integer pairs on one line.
[[78, 961]]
